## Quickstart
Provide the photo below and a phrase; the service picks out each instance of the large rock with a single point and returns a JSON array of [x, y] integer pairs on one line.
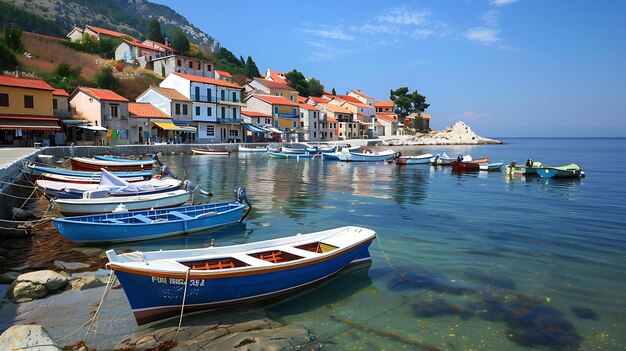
[[27, 338], [33, 285], [70, 266], [456, 134], [82, 281]]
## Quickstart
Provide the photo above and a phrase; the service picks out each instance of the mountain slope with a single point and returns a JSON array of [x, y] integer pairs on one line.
[[126, 16]]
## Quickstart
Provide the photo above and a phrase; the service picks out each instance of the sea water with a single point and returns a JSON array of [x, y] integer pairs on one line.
[[476, 261]]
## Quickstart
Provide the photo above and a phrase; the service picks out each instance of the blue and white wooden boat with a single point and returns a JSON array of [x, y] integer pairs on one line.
[[252, 149], [62, 190], [570, 171], [368, 156], [105, 204], [35, 171], [317, 149], [293, 150], [119, 159], [491, 167], [150, 224], [414, 160], [160, 284], [296, 157], [528, 169]]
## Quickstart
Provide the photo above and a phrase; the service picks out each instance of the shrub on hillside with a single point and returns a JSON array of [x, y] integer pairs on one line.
[[106, 80], [7, 57]]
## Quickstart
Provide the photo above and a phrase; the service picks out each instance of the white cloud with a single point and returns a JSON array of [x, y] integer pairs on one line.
[[404, 16], [485, 36], [336, 33], [502, 2]]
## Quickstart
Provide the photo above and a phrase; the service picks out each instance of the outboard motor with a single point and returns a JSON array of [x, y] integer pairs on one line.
[[241, 197], [155, 157]]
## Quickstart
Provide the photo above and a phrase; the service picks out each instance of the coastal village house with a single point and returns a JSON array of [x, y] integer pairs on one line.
[[348, 126], [256, 126], [174, 104], [97, 33], [148, 122], [425, 119], [130, 51], [165, 65], [285, 113], [364, 98], [389, 124], [216, 106], [269, 87], [310, 120], [223, 75], [279, 77], [384, 107], [26, 112], [166, 48], [60, 103], [103, 109]]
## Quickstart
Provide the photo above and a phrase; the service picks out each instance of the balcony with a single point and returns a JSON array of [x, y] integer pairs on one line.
[[287, 115], [230, 120], [203, 98]]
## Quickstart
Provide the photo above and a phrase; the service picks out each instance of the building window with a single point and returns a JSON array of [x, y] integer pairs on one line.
[[208, 67], [314, 125], [208, 95], [295, 112], [197, 93], [190, 64], [223, 112], [235, 96], [315, 134], [276, 110], [114, 111], [233, 133], [209, 111], [179, 63], [29, 101], [177, 109], [223, 94], [185, 110], [340, 125], [199, 66], [234, 112], [210, 130], [55, 104], [197, 110], [268, 121], [4, 99]]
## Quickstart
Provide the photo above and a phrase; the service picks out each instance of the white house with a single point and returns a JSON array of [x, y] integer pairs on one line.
[[166, 65], [216, 106], [173, 104], [131, 51], [364, 98], [311, 122]]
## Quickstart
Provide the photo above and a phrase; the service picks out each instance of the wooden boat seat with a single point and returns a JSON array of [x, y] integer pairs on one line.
[[206, 214], [298, 252], [180, 215], [142, 218], [113, 220]]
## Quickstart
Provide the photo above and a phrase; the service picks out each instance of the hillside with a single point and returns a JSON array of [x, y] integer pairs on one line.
[[126, 16]]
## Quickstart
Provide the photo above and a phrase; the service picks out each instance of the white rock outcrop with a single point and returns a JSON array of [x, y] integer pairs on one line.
[[456, 134], [33, 285], [27, 338]]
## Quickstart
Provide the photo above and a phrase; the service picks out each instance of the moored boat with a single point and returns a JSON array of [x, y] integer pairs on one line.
[[119, 159], [569, 171], [83, 206], [527, 169], [282, 155], [445, 160], [491, 167], [81, 180], [35, 171], [293, 150], [462, 166], [150, 224], [368, 156], [94, 165], [210, 152], [159, 284], [414, 160], [252, 149]]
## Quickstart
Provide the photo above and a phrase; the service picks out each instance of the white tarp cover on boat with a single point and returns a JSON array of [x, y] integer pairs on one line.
[[108, 179]]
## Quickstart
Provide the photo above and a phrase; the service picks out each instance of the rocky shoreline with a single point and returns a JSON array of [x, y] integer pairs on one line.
[[456, 134]]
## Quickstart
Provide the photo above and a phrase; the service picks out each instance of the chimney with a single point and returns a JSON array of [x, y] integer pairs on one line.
[[17, 71]]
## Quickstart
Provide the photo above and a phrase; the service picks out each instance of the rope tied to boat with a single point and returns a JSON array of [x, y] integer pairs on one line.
[[94, 319], [182, 307]]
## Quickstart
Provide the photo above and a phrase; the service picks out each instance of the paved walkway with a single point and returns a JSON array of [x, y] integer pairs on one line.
[[10, 155]]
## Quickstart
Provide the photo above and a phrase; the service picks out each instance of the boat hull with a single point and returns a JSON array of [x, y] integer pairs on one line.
[[156, 296], [414, 160], [461, 167], [366, 157], [94, 165], [252, 149], [198, 151], [78, 207], [36, 171], [296, 157], [134, 226], [570, 171]]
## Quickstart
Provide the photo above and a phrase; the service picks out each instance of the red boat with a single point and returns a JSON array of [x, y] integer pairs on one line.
[[459, 166], [94, 165]]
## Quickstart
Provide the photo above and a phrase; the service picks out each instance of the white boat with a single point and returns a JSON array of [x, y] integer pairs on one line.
[[414, 160], [445, 160], [95, 165], [210, 152], [368, 156], [293, 150], [81, 180], [84, 206], [252, 149]]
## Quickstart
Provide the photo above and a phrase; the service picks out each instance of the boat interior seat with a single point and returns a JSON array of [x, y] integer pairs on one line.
[[142, 218], [180, 215], [298, 252], [113, 220], [206, 214]]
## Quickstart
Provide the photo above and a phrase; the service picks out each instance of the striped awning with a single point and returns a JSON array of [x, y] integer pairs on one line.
[[29, 123], [254, 128], [167, 126]]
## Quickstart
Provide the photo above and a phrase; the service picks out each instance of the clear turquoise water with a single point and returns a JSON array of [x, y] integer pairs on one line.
[[467, 262]]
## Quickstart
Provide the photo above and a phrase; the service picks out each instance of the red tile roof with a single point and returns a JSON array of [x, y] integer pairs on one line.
[[108, 32], [19, 82], [383, 104], [276, 76], [386, 118], [60, 92], [161, 45], [336, 108], [145, 110], [254, 114], [171, 94], [144, 46], [309, 107], [223, 73], [274, 85], [301, 99], [318, 99], [330, 119], [206, 80], [359, 93], [275, 100], [355, 102], [102, 94]]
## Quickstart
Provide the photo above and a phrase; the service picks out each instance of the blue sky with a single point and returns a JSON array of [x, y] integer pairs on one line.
[[505, 67]]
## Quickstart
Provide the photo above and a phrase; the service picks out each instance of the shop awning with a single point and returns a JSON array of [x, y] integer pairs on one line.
[[167, 126], [274, 130], [90, 127], [29, 123], [254, 128], [189, 129]]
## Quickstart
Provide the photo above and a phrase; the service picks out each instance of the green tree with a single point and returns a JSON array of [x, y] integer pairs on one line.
[[64, 70], [251, 70], [7, 57], [408, 103], [154, 31], [315, 87], [106, 80], [180, 41], [12, 37], [243, 62], [89, 44], [297, 81]]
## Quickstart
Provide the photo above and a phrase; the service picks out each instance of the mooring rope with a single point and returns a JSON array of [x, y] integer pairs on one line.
[[388, 261], [182, 307], [18, 185], [112, 279]]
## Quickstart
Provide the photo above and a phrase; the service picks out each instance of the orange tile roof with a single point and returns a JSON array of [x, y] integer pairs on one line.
[[386, 118], [102, 94], [206, 80], [161, 45], [383, 104], [319, 99], [308, 106], [336, 108], [275, 100], [144, 46], [358, 92], [108, 32], [330, 119], [355, 102], [60, 92], [223, 73], [301, 99], [277, 78], [20, 82], [274, 85], [171, 94], [414, 114], [145, 110], [254, 114]]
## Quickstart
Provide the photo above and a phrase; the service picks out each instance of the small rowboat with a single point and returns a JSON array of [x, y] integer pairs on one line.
[[84, 206], [160, 284], [491, 167], [119, 159], [252, 149], [35, 171], [199, 151], [81, 180], [462, 166], [528, 169], [414, 160], [55, 189], [151, 224], [368, 156], [445, 160], [296, 157], [570, 171], [292, 150], [94, 165]]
